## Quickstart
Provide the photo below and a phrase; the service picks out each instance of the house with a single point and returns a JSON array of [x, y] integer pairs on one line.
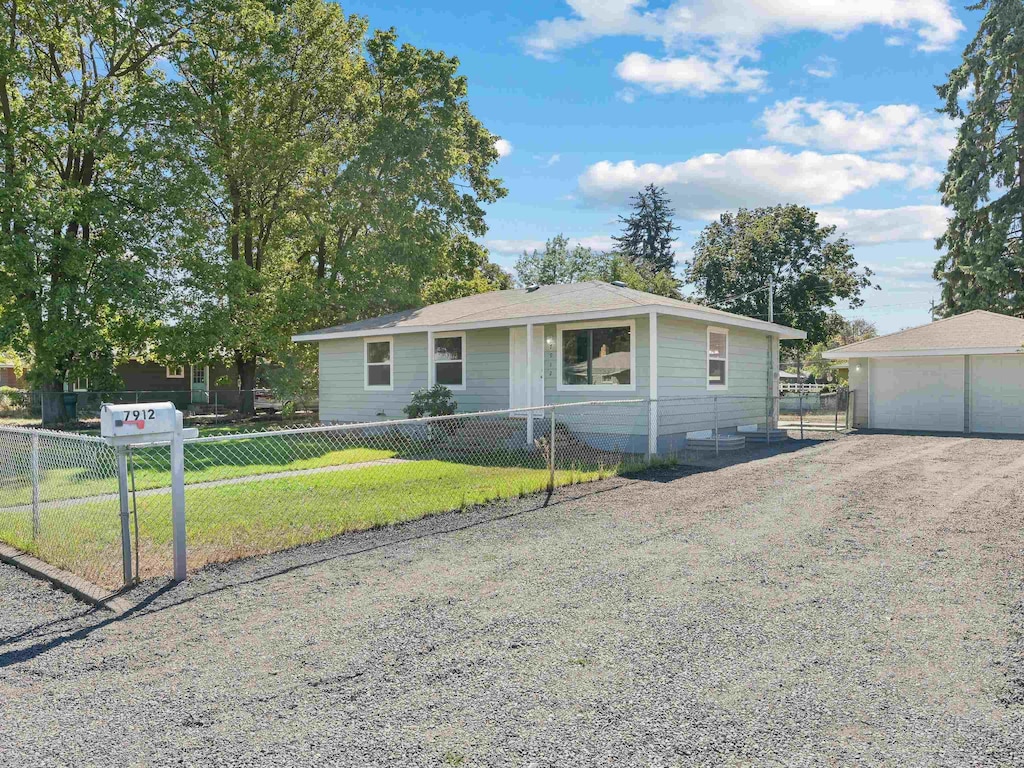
[[9, 375], [556, 344], [184, 385], [961, 374]]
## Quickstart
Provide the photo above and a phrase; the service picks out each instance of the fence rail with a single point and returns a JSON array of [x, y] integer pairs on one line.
[[63, 498]]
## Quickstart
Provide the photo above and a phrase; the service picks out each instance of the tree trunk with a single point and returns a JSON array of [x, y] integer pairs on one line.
[[246, 368], [52, 403]]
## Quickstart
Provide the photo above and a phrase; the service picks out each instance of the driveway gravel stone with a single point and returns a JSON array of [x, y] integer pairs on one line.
[[851, 601]]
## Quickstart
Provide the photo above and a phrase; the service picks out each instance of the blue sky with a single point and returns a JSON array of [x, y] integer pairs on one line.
[[726, 103]]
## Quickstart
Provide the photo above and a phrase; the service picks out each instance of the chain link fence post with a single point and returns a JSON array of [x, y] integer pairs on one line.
[[34, 470], [768, 420], [551, 453], [801, 415], [716, 424], [836, 428]]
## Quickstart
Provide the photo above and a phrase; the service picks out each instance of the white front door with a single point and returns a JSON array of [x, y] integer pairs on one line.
[[517, 367]]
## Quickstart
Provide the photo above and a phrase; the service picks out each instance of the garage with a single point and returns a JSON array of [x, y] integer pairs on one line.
[[961, 374]]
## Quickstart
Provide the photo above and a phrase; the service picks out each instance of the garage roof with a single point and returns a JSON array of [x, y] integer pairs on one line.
[[548, 303], [973, 333]]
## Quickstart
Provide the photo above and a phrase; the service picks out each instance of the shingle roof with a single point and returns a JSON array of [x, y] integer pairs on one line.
[[521, 304], [975, 331]]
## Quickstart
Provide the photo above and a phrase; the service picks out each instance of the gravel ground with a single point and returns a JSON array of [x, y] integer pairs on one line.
[[856, 601]]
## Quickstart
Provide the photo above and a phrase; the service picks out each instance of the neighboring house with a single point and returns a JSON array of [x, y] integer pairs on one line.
[[961, 374], [9, 376], [183, 384], [555, 344]]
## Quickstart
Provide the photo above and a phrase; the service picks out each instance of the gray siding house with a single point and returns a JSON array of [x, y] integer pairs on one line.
[[557, 344]]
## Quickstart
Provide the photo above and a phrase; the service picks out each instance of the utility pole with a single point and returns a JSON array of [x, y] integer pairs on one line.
[[771, 300]]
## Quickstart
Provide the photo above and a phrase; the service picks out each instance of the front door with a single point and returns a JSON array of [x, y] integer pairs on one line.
[[517, 367], [200, 384]]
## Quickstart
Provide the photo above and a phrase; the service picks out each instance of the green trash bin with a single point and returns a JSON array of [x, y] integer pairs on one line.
[[71, 405]]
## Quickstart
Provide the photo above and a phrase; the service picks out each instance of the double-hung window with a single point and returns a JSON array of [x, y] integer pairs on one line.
[[175, 371], [449, 360], [596, 356], [379, 363], [718, 358]]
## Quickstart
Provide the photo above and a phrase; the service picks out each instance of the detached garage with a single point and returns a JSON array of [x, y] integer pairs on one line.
[[961, 374]]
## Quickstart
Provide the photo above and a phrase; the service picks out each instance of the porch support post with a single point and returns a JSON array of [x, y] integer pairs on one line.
[[652, 415], [529, 384], [430, 359]]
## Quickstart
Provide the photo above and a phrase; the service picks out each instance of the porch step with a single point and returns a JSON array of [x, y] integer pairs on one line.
[[730, 442], [777, 436]]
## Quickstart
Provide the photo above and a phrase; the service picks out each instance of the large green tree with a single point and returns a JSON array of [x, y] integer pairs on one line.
[[345, 172], [560, 262], [647, 232], [983, 263], [85, 205], [737, 256]]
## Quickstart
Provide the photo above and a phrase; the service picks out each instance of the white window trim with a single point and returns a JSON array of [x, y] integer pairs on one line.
[[609, 323], [708, 358], [75, 384], [367, 386], [171, 375], [433, 363]]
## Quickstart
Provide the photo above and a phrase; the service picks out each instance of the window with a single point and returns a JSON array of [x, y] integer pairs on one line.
[[718, 358], [81, 384], [175, 371], [198, 374], [379, 363], [596, 356], [450, 360]]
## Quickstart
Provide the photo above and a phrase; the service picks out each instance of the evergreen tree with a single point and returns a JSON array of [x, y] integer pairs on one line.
[[983, 266], [647, 232]]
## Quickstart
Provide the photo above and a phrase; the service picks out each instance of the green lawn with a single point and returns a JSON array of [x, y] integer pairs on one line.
[[238, 520]]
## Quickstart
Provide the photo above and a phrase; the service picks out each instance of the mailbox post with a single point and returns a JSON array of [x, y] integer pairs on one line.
[[149, 424]]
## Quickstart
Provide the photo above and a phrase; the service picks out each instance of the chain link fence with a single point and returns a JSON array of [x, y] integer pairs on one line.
[[816, 411], [59, 501], [248, 493]]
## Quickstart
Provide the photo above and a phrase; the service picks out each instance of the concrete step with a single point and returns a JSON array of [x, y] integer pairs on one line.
[[777, 436], [730, 442]]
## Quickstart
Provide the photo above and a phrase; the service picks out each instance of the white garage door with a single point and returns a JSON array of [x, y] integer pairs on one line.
[[925, 393], [997, 389]]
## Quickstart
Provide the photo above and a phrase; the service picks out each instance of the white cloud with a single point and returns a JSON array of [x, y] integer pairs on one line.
[[504, 147], [627, 95], [896, 131], [548, 160], [823, 67], [888, 225], [735, 25], [515, 247], [692, 74], [894, 41], [705, 185]]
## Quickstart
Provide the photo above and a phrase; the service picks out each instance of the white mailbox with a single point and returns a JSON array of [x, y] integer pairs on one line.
[[138, 422]]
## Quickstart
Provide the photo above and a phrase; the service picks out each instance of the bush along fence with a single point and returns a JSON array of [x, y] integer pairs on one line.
[[248, 493]]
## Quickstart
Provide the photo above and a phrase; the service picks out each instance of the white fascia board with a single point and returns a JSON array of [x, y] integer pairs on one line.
[[839, 354], [782, 331]]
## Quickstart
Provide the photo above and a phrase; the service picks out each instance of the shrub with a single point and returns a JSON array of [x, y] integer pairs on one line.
[[436, 401], [14, 398]]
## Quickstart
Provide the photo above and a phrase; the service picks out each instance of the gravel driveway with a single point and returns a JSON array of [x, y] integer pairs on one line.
[[853, 601]]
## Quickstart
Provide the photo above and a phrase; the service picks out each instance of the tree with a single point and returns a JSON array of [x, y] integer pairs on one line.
[[558, 263], [486, 278], [647, 231], [850, 331], [344, 173], [983, 266], [737, 256], [85, 203], [640, 277]]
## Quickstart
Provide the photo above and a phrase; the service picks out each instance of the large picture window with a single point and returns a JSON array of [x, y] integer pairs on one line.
[[718, 358], [450, 360], [599, 356], [379, 363]]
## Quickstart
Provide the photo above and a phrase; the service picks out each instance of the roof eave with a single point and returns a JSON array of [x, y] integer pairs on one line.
[[782, 331], [840, 354]]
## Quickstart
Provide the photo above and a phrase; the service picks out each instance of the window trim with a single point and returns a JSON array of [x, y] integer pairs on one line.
[[433, 361], [76, 384], [367, 386], [167, 370], [708, 358], [608, 323]]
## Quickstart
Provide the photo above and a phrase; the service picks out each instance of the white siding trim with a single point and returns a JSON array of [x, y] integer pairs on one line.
[[631, 387]]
